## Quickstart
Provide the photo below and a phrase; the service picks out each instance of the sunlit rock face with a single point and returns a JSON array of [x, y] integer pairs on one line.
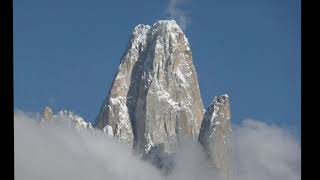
[[215, 135], [155, 97]]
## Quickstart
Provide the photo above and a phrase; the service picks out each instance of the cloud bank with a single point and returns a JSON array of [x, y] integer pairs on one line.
[[60, 152]]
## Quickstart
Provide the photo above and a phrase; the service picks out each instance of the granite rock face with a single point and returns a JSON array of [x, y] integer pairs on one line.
[[155, 97], [113, 117], [215, 135]]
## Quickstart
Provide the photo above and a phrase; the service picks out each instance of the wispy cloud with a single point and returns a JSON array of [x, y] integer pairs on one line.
[[178, 14], [261, 152]]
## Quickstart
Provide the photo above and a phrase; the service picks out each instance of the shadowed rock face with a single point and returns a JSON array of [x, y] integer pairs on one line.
[[114, 115], [155, 96], [215, 135]]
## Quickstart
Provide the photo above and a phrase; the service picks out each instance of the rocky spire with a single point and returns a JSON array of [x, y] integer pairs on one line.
[[47, 114], [155, 96], [215, 135]]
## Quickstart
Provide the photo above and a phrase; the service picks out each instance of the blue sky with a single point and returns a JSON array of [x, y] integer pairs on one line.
[[66, 53]]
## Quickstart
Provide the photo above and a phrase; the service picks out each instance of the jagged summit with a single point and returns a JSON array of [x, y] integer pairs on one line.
[[162, 28], [169, 25], [167, 22], [160, 24]]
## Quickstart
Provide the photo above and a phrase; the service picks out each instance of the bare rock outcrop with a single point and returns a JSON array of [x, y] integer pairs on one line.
[[215, 135]]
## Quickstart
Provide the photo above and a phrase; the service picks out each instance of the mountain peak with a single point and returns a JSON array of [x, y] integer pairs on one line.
[[162, 26], [141, 29], [167, 24], [155, 96]]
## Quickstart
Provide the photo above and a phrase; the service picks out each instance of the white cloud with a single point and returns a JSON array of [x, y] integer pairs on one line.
[[265, 152], [261, 151]]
